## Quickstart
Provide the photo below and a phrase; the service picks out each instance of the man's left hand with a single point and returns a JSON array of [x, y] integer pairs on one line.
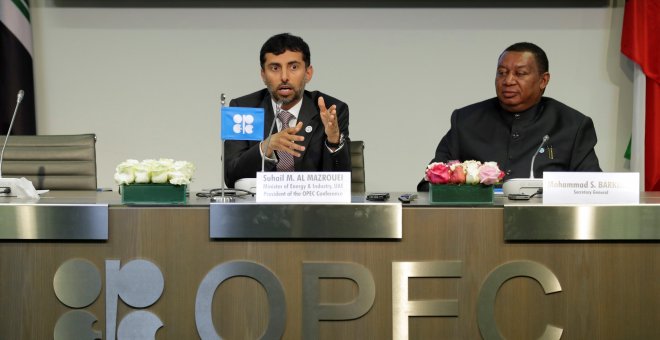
[[329, 119]]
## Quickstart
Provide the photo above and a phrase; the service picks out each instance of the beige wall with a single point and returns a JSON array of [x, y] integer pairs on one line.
[[147, 80]]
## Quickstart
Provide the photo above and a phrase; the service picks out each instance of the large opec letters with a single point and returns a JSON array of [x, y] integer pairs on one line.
[[314, 312], [139, 283]]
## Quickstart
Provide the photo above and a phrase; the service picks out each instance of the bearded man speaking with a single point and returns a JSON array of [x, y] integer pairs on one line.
[[312, 127]]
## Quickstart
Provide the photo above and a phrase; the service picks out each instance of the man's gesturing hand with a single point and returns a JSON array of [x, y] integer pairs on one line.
[[285, 141], [329, 119]]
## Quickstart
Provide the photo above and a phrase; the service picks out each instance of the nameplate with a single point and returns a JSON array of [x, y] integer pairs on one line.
[[590, 188], [303, 187]]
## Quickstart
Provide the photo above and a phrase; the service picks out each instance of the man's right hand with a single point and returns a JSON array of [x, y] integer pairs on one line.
[[285, 141]]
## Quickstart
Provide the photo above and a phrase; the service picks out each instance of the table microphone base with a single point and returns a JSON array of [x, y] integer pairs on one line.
[[222, 199], [525, 186], [17, 187]]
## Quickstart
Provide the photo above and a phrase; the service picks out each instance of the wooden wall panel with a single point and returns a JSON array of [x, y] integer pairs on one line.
[[609, 290]]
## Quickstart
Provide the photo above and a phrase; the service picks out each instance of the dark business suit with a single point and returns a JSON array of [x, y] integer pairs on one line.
[[243, 158], [486, 132]]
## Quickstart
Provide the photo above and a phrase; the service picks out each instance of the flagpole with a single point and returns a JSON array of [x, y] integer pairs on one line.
[[222, 169], [222, 197]]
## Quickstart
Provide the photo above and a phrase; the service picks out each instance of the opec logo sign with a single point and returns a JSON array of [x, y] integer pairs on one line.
[[242, 123], [77, 284]]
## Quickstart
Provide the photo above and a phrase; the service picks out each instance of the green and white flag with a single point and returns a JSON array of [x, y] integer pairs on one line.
[[16, 67]]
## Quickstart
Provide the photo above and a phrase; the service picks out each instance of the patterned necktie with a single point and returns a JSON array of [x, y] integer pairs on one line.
[[286, 159]]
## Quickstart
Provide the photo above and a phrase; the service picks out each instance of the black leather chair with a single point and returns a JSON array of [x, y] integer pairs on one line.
[[358, 178], [56, 162]]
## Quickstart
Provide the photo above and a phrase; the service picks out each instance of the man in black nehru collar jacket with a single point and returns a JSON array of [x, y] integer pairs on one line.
[[312, 127], [509, 129]]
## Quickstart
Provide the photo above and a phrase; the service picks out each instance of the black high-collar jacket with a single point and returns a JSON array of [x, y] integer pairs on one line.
[[486, 132]]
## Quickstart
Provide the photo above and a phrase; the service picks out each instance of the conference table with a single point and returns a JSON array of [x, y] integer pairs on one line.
[[83, 265]]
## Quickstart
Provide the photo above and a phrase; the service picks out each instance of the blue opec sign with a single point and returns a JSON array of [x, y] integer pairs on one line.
[[241, 123]]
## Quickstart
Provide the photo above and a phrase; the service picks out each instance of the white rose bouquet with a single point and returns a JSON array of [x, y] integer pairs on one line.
[[154, 171]]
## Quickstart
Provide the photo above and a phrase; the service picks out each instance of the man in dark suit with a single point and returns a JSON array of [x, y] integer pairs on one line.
[[508, 129], [312, 127]]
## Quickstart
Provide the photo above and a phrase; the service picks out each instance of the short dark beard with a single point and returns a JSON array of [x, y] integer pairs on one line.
[[283, 101]]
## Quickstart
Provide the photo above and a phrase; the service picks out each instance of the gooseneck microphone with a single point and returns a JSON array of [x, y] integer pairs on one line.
[[278, 109], [525, 188], [538, 150], [19, 99], [19, 187]]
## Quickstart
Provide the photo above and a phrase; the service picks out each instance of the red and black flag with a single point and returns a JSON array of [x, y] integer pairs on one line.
[[16, 67], [640, 41]]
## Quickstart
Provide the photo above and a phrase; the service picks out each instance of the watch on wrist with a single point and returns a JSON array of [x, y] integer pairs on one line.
[[335, 145]]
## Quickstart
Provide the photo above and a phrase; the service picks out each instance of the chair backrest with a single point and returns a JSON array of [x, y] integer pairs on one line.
[[358, 178], [58, 162]]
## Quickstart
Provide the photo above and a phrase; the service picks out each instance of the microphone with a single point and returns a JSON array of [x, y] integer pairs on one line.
[[526, 186], [19, 99], [19, 187], [250, 184], [538, 150], [278, 109]]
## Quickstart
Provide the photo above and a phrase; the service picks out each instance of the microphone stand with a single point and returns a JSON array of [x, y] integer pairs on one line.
[[19, 99], [278, 109], [531, 170], [525, 186], [21, 186]]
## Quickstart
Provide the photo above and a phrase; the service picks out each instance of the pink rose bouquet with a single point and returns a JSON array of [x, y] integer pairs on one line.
[[468, 172]]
